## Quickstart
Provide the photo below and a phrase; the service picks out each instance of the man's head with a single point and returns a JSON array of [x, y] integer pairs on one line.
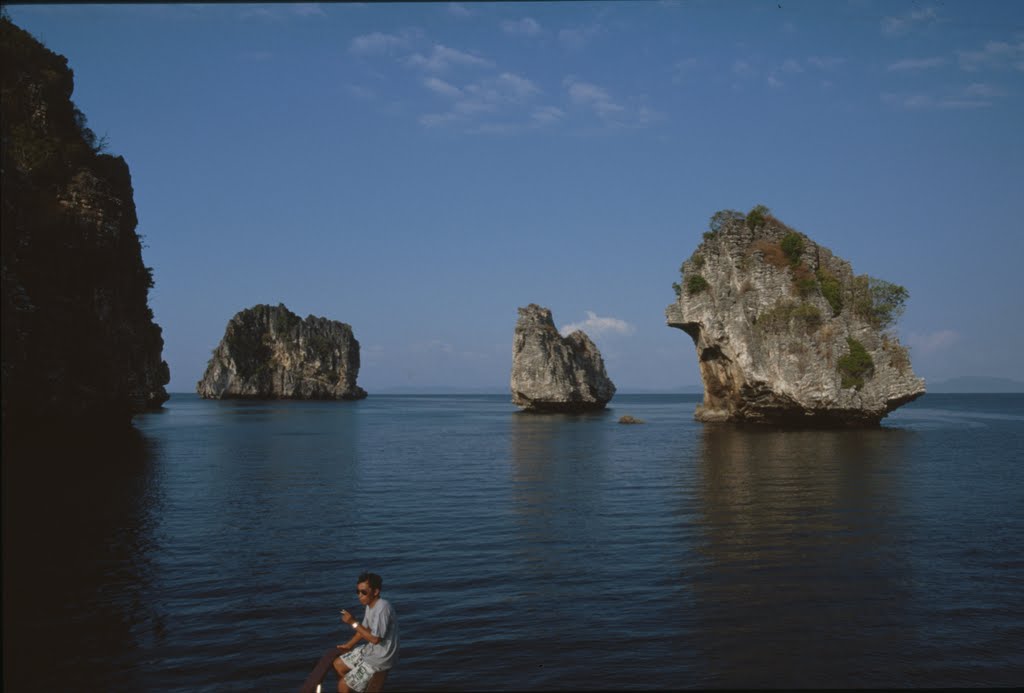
[[368, 586]]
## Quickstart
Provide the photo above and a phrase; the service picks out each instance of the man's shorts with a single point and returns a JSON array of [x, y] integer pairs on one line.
[[360, 673]]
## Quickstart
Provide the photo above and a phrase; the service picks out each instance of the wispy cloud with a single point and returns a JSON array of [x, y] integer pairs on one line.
[[376, 44], [596, 325], [896, 26], [599, 100], [546, 115], [964, 99], [459, 9], [279, 13], [994, 55], [931, 342], [443, 58], [439, 86], [578, 38], [915, 64], [527, 26], [825, 62], [490, 95]]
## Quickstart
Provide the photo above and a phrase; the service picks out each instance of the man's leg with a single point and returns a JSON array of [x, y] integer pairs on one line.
[[341, 669]]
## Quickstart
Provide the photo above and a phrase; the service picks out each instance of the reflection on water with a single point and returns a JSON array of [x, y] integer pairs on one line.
[[802, 529], [79, 526]]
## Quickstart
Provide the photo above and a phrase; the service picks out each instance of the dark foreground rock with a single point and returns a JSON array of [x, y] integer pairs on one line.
[[551, 373], [269, 352], [786, 333], [80, 347]]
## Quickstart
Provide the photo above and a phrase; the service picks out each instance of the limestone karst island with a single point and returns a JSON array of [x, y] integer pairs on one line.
[[552, 373], [785, 332], [269, 352], [80, 347]]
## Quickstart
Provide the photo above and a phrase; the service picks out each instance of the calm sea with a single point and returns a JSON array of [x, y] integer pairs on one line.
[[212, 549]]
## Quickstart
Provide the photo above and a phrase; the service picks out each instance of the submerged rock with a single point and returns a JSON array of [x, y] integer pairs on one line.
[[270, 353], [555, 373], [785, 332], [627, 419]]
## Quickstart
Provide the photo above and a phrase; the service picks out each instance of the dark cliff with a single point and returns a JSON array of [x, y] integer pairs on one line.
[[79, 343]]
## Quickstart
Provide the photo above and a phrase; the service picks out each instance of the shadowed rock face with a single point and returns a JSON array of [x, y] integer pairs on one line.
[[270, 353], [555, 373], [80, 347], [776, 332]]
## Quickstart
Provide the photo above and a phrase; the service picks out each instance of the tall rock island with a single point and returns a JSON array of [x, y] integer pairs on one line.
[[80, 346], [551, 373], [785, 332], [269, 352]]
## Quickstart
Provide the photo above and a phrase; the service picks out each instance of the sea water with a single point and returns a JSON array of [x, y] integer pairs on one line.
[[212, 547]]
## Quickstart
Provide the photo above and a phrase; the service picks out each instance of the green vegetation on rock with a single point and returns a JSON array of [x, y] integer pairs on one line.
[[778, 317], [831, 289], [856, 366], [757, 216], [879, 302], [696, 284]]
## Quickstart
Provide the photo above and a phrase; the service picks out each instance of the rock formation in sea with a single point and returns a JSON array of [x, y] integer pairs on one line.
[[80, 346], [785, 332], [555, 373], [269, 352]]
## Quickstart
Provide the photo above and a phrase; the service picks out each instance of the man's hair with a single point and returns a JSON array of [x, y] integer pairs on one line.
[[373, 579]]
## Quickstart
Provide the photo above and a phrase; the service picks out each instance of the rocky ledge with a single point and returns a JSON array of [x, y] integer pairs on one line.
[[270, 353], [785, 332], [552, 373]]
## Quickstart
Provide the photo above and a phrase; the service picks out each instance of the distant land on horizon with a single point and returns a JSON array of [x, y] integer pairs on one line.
[[975, 383], [964, 384]]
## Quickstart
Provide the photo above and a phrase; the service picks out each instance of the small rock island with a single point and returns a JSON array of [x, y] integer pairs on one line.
[[269, 352], [785, 332], [552, 373]]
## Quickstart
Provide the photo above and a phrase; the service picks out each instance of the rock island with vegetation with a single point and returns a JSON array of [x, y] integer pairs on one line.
[[80, 346], [269, 352], [785, 332]]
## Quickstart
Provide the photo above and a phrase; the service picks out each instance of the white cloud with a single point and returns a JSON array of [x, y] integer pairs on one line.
[[577, 39], [596, 325], [600, 101], [894, 26], [741, 68], [439, 86], [791, 66], [547, 114], [995, 55], [971, 97], [515, 87], [458, 9], [931, 342], [527, 26], [308, 9], [912, 64], [443, 58], [485, 96], [375, 43], [825, 62]]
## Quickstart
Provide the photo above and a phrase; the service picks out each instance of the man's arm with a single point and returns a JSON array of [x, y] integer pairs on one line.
[[362, 632]]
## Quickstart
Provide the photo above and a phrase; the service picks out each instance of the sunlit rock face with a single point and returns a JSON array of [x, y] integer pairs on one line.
[[555, 373], [269, 352], [785, 333]]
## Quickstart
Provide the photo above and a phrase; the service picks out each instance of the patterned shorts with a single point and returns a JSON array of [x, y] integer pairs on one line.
[[360, 672]]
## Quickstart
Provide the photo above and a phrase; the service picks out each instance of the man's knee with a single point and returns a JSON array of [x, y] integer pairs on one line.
[[339, 666]]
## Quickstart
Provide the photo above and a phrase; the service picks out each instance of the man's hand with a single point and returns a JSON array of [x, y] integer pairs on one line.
[[347, 617], [345, 648]]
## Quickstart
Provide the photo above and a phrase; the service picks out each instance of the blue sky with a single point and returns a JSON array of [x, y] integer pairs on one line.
[[421, 170]]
